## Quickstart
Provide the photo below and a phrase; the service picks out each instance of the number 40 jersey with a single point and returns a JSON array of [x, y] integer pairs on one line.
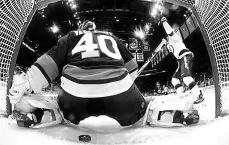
[[91, 64]]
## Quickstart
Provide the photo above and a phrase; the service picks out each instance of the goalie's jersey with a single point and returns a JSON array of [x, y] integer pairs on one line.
[[91, 64], [177, 47]]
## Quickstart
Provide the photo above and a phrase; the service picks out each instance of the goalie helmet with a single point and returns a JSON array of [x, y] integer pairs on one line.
[[87, 25]]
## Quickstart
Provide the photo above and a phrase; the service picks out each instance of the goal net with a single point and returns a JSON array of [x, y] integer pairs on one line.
[[214, 15], [15, 16]]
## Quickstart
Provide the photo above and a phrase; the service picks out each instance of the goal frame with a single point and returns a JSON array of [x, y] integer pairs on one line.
[[37, 5], [41, 3]]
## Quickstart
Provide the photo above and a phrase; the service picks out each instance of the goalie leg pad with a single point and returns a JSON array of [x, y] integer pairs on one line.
[[24, 105], [30, 103], [24, 120], [167, 111], [173, 102]]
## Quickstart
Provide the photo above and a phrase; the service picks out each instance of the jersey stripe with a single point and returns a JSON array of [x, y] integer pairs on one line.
[[42, 71], [131, 65], [96, 81], [49, 67], [37, 79], [96, 90], [90, 73]]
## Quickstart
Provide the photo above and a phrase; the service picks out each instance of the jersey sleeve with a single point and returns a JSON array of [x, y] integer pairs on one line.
[[49, 66], [129, 60]]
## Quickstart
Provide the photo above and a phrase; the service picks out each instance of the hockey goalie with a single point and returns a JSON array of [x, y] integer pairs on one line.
[[97, 75]]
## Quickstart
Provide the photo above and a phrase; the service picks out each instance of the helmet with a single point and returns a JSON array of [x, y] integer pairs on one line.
[[87, 25]]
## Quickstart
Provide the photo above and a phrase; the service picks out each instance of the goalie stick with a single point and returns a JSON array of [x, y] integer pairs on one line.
[[163, 42]]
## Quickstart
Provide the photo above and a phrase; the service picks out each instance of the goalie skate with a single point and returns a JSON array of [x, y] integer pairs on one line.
[[24, 120], [38, 119], [45, 111]]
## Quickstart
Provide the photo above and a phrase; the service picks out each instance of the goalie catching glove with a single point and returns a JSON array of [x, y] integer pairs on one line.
[[19, 87]]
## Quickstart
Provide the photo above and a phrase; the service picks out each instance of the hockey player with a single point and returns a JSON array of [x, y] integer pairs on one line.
[[97, 75], [185, 59]]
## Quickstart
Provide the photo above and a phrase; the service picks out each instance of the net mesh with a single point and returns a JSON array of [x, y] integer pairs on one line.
[[13, 15], [214, 14]]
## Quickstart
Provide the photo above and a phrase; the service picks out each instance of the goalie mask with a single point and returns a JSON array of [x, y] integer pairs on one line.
[[87, 25]]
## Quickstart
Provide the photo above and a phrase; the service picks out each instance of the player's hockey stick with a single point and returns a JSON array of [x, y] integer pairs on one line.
[[150, 74], [153, 55]]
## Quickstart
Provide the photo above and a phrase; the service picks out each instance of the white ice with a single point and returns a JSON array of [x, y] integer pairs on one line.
[[104, 130]]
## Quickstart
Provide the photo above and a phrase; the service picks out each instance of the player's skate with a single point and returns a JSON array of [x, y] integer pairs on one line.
[[200, 98]]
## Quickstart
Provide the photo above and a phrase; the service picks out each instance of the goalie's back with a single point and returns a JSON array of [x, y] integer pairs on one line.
[[94, 56], [97, 57], [90, 60]]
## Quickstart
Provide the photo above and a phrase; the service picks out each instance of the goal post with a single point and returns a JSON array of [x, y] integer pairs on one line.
[[213, 65], [212, 16], [15, 16]]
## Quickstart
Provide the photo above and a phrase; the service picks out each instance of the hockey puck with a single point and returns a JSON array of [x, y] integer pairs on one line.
[[85, 138]]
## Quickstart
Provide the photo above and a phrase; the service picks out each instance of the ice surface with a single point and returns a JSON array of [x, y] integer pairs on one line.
[[104, 130]]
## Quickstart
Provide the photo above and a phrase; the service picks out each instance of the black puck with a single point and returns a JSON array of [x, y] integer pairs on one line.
[[85, 138]]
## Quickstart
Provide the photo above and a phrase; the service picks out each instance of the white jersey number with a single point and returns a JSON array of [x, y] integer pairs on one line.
[[89, 49]]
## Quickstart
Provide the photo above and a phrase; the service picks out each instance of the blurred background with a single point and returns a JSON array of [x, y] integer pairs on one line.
[[135, 22]]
